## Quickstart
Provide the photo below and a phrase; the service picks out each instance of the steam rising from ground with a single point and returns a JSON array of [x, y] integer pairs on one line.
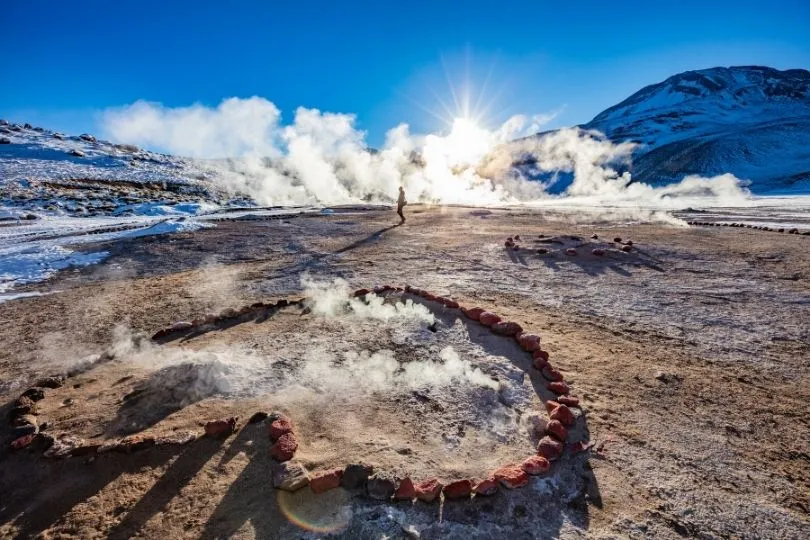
[[323, 158], [334, 299]]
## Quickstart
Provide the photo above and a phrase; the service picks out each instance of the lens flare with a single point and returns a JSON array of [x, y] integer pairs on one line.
[[328, 512]]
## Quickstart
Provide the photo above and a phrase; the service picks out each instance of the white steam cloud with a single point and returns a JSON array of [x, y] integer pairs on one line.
[[322, 158], [333, 299]]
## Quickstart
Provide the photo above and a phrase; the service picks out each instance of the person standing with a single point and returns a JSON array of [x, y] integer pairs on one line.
[[401, 202]]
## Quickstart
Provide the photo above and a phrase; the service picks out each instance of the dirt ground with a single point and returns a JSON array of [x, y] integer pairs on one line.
[[690, 355]]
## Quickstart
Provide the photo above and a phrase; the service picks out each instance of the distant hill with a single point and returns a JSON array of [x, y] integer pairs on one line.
[[751, 121]]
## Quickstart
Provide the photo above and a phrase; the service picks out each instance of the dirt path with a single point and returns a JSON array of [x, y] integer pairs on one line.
[[690, 354]]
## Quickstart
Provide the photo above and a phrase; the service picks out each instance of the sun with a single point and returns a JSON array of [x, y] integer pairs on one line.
[[467, 142]]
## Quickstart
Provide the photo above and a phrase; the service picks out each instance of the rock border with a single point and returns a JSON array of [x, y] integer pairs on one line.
[[379, 485], [782, 230]]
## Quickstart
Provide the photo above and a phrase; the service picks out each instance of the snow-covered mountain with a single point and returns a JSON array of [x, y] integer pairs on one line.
[[751, 121]]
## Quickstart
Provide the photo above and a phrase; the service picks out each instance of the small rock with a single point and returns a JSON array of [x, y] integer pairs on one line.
[[551, 405], [428, 490], [21, 442], [627, 249], [381, 487], [551, 374], [181, 326], [284, 448], [511, 476], [489, 319], [87, 137], [5, 140], [564, 415], [135, 443], [279, 426], [219, 429], [356, 475], [556, 429], [595, 236], [542, 251], [55, 381], [183, 437], [34, 394], [550, 448], [474, 313], [24, 420], [290, 476], [23, 405], [540, 353], [458, 490], [506, 328], [535, 465], [571, 251], [538, 424], [571, 401], [63, 446], [325, 480], [618, 240], [529, 342], [486, 487], [406, 490], [76, 153], [558, 387], [598, 252]]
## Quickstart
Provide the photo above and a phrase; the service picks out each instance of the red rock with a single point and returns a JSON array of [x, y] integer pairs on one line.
[[540, 353], [361, 292], [285, 447], [429, 296], [506, 328], [551, 405], [473, 313], [558, 387], [428, 490], [550, 448], [221, 428], [571, 401], [627, 249], [325, 480], [557, 430], [451, 304], [539, 363], [21, 442], [552, 374], [530, 342], [570, 251], [279, 427], [488, 319], [511, 476], [488, 486], [406, 490], [458, 490], [535, 465], [564, 415]]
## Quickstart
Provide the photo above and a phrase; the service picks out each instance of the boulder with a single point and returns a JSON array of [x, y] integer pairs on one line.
[[489, 319], [459, 489], [550, 448], [219, 429], [290, 476], [486, 487], [381, 487], [284, 448], [506, 328], [511, 476], [428, 490], [325, 480], [551, 374], [540, 353], [556, 429], [406, 490], [539, 363], [356, 475], [279, 426], [535, 465]]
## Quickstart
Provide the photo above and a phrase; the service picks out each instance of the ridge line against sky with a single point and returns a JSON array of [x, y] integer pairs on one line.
[[64, 64]]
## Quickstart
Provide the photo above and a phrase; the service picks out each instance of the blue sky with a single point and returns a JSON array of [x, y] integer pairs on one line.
[[386, 62]]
